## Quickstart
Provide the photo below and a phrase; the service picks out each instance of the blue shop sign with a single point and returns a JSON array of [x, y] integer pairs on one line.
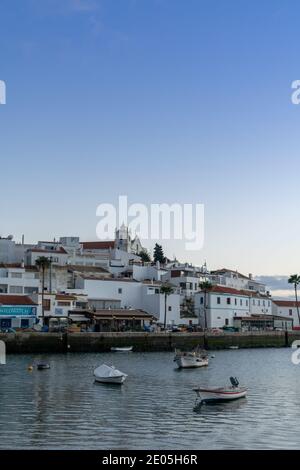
[[15, 311]]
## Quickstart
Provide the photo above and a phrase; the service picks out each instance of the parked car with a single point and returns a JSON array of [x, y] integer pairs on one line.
[[8, 330]]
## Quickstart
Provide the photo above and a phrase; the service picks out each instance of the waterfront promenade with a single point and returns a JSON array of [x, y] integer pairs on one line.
[[30, 342]]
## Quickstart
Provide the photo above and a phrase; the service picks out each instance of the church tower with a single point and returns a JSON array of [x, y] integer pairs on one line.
[[123, 239]]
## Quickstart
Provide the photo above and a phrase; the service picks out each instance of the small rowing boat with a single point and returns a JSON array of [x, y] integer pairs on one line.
[[125, 349], [109, 374], [220, 394], [43, 366]]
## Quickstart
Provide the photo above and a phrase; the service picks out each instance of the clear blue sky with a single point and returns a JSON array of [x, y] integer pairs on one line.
[[163, 100]]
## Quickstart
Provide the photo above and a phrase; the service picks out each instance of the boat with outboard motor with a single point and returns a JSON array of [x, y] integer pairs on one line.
[[220, 394]]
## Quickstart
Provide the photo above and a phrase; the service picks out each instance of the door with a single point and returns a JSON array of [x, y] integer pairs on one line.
[[24, 323], [5, 323]]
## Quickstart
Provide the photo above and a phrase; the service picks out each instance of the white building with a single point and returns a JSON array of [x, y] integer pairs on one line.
[[19, 279], [288, 309], [225, 304], [17, 311], [236, 280], [222, 305], [12, 252], [128, 293], [61, 304]]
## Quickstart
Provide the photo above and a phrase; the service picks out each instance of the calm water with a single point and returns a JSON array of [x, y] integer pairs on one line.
[[63, 407]]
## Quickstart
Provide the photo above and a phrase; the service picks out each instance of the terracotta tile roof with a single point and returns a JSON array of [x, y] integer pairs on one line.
[[263, 318], [87, 269], [18, 266], [60, 250], [286, 303], [225, 270], [65, 297], [121, 314], [227, 290], [99, 277], [7, 299], [104, 245]]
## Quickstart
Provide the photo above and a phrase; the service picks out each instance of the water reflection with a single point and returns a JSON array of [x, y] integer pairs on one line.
[[64, 408]]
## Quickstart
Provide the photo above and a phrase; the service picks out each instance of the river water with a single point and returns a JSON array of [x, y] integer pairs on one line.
[[62, 408]]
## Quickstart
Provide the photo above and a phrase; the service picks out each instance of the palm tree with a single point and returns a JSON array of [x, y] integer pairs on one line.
[[295, 280], [166, 289], [42, 264], [205, 286]]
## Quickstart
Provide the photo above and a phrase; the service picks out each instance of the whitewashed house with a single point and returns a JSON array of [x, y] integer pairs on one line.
[[19, 279], [288, 309], [236, 280], [127, 293], [223, 304]]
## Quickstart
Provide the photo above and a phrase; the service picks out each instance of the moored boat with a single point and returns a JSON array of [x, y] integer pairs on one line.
[[109, 374], [191, 359], [43, 366], [124, 349], [220, 394]]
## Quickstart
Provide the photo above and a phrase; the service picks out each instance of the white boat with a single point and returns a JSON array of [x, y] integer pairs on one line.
[[220, 394], [191, 359], [126, 349], [233, 347], [109, 374]]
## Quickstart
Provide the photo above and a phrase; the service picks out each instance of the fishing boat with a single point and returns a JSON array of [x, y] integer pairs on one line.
[[125, 349], [109, 374], [190, 359], [220, 394]]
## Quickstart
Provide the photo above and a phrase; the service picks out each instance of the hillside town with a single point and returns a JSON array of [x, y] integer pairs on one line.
[[115, 286]]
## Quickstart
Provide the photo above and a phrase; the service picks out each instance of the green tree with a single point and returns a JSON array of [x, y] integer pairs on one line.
[[145, 257], [43, 264], [295, 280], [158, 254], [205, 286], [166, 289]]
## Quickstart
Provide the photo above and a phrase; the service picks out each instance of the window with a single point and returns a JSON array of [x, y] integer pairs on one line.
[[246, 303], [196, 286], [16, 290], [218, 300], [201, 300], [62, 303], [290, 312], [241, 301], [120, 290], [16, 275], [264, 303], [47, 304], [170, 309], [228, 300], [253, 302], [235, 301], [30, 290], [259, 303], [24, 323], [226, 321], [156, 291]]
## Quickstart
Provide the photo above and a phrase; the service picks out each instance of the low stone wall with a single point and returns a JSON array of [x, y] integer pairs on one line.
[[101, 342]]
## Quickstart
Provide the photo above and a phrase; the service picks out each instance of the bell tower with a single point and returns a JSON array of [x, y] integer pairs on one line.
[[123, 241]]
